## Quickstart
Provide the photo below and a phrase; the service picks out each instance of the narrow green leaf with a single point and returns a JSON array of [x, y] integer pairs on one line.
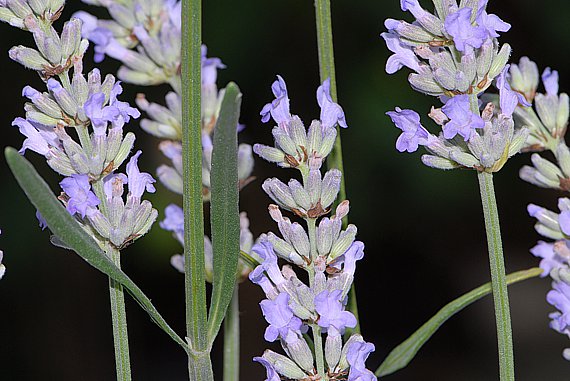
[[68, 233], [224, 208], [401, 356]]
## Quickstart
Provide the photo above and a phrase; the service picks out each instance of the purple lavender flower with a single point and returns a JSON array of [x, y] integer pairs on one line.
[[257, 276], [354, 253], [124, 110], [559, 297], [413, 133], [138, 181], [465, 35], [280, 318], [271, 372], [279, 108], [403, 54], [99, 114], [210, 68], [550, 260], [265, 251], [356, 356], [550, 80], [38, 138], [81, 199], [489, 22], [332, 313], [462, 120], [331, 112], [509, 99]]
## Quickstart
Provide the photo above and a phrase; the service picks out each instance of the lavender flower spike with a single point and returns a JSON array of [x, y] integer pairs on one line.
[[279, 108], [81, 199], [413, 133], [331, 112]]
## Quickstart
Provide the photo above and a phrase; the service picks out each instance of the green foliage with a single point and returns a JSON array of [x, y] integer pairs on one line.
[[224, 208], [401, 356]]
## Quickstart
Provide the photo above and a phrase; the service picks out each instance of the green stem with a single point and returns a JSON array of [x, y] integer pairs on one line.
[[317, 335], [335, 160], [231, 339], [199, 364], [119, 317], [498, 277]]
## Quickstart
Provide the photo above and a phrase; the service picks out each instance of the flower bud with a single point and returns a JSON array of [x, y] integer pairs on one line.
[[284, 366]]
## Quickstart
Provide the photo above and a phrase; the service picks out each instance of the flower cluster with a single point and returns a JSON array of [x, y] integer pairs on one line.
[[324, 250], [455, 55], [77, 123], [547, 120], [146, 38], [555, 261]]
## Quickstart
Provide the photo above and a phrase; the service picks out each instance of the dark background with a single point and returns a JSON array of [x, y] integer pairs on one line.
[[423, 229]]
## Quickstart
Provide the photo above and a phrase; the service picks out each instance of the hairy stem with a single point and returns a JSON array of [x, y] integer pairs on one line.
[[119, 317], [199, 364], [231, 339], [498, 277]]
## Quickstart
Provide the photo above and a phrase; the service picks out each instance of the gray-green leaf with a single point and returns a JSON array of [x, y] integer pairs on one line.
[[224, 208], [68, 233], [401, 356]]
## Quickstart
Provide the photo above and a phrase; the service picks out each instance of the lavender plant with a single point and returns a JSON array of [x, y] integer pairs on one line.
[[77, 125], [146, 38], [326, 252], [546, 116], [455, 55], [88, 109]]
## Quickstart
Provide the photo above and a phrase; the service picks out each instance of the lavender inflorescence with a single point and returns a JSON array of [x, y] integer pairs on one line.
[[146, 38], [323, 249], [77, 125], [455, 55], [547, 120]]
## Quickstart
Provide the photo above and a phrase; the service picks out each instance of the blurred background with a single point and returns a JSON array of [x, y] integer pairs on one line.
[[423, 229]]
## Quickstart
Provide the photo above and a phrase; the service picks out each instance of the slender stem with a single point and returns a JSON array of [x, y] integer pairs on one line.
[[498, 277], [317, 335], [335, 160], [199, 364], [231, 339], [119, 317]]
